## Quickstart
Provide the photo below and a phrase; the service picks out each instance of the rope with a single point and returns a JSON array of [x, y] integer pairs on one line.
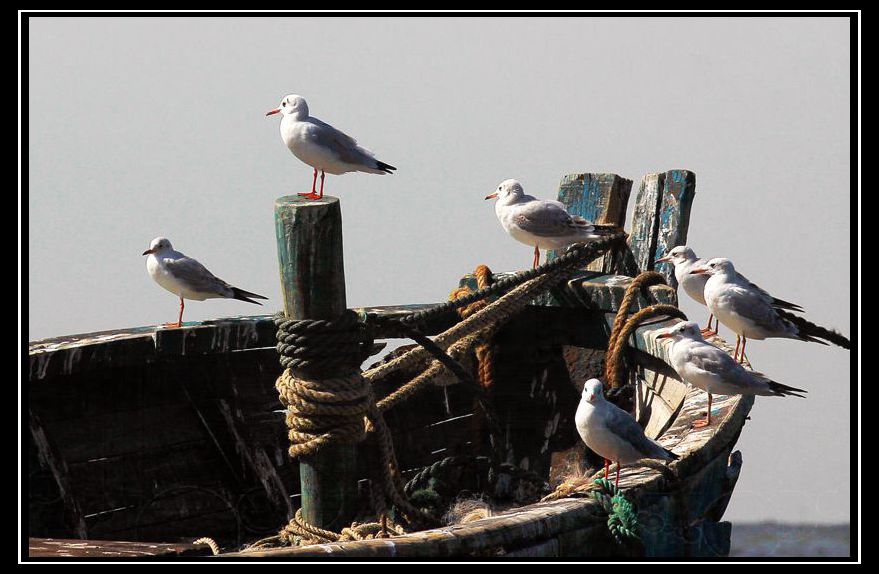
[[622, 520], [328, 400], [576, 256], [215, 548], [322, 347], [623, 325]]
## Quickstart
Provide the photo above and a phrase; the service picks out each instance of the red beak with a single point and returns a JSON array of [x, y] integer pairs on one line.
[[700, 270], [492, 196], [274, 111], [665, 259], [663, 336]]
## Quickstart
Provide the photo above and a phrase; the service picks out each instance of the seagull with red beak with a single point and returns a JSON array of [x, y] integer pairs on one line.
[[322, 146], [611, 432], [539, 223], [187, 278], [711, 369], [752, 313]]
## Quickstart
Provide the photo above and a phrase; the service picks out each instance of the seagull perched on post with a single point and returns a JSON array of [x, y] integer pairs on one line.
[[752, 313], [187, 278], [541, 223], [711, 369], [612, 432], [322, 146]]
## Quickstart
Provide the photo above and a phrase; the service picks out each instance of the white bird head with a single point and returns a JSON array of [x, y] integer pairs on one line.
[[593, 391], [678, 255], [507, 190], [717, 266], [291, 105], [683, 330], [158, 245]]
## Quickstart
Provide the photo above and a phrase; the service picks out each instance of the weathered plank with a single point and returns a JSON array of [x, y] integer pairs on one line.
[[112, 549], [309, 235], [601, 198], [661, 219]]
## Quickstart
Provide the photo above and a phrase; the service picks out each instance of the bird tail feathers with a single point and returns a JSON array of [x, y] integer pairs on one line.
[[809, 331], [243, 295]]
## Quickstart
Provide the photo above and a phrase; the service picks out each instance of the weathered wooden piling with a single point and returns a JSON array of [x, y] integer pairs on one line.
[[309, 234]]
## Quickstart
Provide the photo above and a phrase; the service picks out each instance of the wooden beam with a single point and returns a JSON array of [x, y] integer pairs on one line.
[[661, 220], [309, 234], [601, 198]]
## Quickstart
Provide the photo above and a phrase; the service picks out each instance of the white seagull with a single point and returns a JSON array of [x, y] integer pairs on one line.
[[187, 278], [706, 367], [541, 223], [611, 432], [752, 313], [322, 146], [684, 260]]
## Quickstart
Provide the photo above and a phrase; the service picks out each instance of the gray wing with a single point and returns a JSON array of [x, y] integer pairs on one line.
[[725, 370], [756, 306], [774, 301], [549, 219], [343, 145], [621, 423], [196, 276]]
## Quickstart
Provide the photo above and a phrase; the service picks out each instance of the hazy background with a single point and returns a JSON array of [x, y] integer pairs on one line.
[[147, 127]]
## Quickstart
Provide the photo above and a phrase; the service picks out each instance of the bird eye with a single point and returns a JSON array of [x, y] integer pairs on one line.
[[283, 103]]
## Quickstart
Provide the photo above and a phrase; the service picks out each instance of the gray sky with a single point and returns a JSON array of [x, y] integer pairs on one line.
[[147, 127]]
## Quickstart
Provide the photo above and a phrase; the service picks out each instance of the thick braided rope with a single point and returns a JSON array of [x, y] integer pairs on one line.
[[614, 372], [323, 412], [642, 281], [494, 313], [577, 255], [623, 325], [321, 347]]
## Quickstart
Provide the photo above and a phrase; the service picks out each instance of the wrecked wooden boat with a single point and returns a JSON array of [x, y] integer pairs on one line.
[[144, 440]]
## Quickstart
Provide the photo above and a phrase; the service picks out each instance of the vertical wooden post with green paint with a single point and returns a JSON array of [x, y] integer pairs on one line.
[[309, 234]]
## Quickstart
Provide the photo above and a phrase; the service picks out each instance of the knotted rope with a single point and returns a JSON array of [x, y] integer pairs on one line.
[[623, 325]]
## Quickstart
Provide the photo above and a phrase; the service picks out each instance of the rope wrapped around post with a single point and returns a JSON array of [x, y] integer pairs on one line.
[[325, 394]]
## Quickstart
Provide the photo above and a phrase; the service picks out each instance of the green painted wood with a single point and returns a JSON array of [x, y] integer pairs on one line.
[[661, 220], [309, 234], [601, 198]]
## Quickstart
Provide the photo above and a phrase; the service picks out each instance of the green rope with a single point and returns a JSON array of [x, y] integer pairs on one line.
[[622, 520]]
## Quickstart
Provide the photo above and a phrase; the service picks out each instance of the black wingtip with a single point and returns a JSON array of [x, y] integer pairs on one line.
[[385, 167], [242, 295], [786, 391]]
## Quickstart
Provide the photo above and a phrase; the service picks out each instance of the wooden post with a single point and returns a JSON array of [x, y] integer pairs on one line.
[[661, 219], [309, 234], [600, 198]]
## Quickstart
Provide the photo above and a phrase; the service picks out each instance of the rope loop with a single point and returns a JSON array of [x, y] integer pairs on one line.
[[322, 348]]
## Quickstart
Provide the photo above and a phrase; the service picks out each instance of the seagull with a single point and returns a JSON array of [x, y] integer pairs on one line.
[[612, 432], [187, 278], [752, 313], [322, 146], [711, 369], [543, 223], [684, 260]]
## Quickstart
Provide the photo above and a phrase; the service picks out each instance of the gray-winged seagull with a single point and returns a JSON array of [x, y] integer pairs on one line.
[[322, 146], [541, 223], [711, 369], [612, 432], [187, 278], [752, 313]]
